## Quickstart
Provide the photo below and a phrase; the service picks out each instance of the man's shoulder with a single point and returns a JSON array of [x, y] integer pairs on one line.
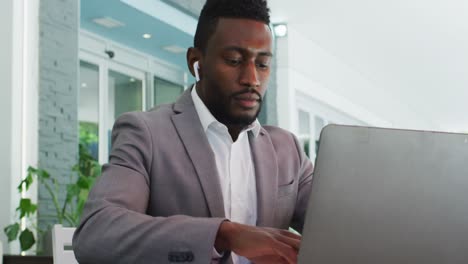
[[155, 117], [163, 110], [159, 113]]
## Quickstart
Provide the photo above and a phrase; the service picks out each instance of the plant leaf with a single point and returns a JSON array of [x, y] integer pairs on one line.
[[11, 231], [26, 239], [83, 183], [27, 182], [96, 170], [43, 174], [26, 207], [81, 201], [32, 170], [72, 191]]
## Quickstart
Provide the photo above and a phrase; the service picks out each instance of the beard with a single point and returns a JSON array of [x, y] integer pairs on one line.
[[220, 107]]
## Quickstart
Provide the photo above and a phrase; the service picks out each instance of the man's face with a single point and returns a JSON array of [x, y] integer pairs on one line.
[[235, 70]]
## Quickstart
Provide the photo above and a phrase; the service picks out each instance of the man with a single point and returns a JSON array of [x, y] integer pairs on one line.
[[200, 180]]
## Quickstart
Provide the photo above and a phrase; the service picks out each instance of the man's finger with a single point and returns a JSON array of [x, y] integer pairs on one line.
[[294, 243], [286, 251]]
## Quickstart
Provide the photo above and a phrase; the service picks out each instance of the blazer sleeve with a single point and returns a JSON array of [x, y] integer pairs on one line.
[[115, 227], [305, 172]]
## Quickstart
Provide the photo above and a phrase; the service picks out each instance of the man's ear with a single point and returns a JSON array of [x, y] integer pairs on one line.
[[193, 55]]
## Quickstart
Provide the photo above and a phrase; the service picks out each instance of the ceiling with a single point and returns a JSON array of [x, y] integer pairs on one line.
[[136, 23], [415, 50], [192, 7]]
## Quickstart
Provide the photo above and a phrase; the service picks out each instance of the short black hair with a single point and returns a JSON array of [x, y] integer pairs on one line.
[[214, 9]]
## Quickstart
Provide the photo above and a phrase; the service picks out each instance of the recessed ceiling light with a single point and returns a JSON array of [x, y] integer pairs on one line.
[[84, 85], [147, 36], [174, 49], [108, 22], [281, 30], [132, 79]]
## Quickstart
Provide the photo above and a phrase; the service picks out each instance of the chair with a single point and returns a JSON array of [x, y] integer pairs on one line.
[[62, 245]]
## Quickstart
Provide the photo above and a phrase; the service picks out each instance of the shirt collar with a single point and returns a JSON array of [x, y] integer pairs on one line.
[[207, 119]]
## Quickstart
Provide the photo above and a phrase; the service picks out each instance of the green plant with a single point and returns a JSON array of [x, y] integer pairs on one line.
[[68, 210]]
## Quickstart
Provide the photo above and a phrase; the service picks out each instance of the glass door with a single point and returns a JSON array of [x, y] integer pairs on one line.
[[125, 93], [166, 92], [88, 107], [108, 90]]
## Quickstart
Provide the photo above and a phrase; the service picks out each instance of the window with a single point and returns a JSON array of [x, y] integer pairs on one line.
[[107, 91], [125, 94], [319, 124], [312, 116], [165, 91], [111, 87], [88, 107], [304, 131], [310, 126]]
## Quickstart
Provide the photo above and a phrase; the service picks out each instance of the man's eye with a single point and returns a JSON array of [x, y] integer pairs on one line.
[[263, 65], [233, 62]]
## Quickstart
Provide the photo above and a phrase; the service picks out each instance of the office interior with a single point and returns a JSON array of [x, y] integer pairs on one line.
[[69, 68]]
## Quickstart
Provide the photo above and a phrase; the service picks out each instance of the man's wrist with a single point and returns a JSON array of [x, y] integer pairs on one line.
[[223, 237]]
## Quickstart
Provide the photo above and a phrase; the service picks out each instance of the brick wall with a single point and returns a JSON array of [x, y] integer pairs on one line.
[[58, 95]]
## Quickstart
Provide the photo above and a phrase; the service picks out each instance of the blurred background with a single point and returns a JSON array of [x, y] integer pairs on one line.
[[69, 68]]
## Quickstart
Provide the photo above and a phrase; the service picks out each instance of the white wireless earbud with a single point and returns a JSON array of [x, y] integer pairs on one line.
[[195, 69]]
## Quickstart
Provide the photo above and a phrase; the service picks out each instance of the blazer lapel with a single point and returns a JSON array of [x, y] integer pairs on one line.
[[266, 174], [188, 126]]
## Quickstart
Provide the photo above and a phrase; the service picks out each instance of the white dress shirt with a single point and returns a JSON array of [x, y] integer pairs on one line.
[[235, 168]]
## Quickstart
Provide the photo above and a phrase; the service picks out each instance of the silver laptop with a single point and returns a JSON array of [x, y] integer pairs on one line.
[[385, 196]]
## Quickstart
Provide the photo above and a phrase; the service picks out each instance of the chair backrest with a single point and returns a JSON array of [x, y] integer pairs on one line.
[[62, 245]]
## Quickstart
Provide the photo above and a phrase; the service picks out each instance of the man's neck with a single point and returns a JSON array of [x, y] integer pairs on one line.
[[234, 131]]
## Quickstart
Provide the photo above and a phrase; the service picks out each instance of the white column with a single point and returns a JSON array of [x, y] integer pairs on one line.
[[18, 103], [285, 94], [6, 48]]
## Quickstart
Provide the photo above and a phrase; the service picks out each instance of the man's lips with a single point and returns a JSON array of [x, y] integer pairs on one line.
[[248, 97], [247, 103], [247, 100]]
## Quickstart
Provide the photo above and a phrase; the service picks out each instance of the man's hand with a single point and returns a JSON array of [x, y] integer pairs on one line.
[[258, 244]]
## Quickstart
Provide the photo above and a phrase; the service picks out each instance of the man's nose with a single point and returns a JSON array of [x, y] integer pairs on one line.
[[249, 75]]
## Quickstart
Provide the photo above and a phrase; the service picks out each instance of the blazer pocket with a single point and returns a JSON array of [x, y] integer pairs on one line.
[[287, 189]]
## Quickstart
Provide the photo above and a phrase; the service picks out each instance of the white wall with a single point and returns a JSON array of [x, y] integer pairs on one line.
[[311, 70], [6, 26], [18, 104]]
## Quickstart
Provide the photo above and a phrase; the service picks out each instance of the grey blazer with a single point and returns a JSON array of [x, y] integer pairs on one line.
[[159, 198]]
